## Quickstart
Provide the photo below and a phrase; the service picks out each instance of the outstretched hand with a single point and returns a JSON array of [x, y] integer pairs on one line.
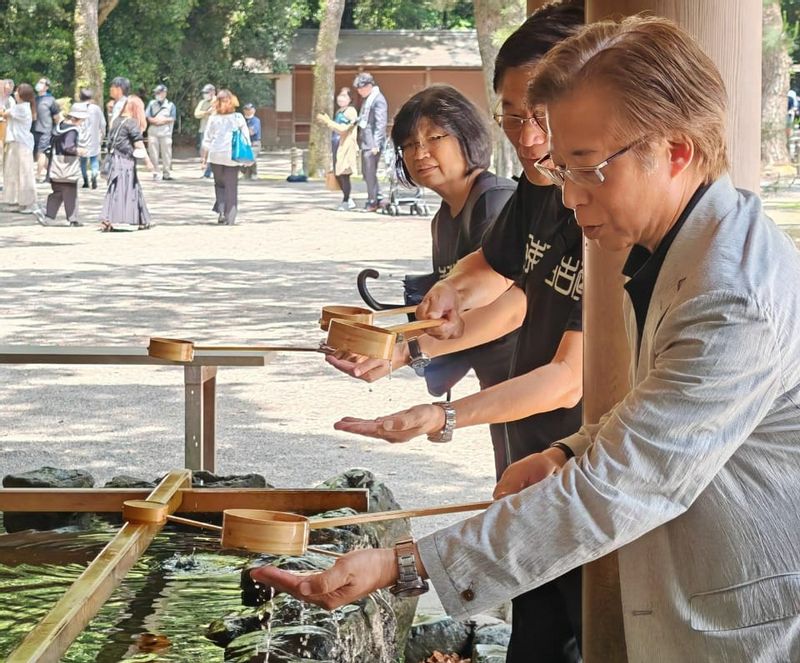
[[354, 575], [366, 368], [528, 471], [398, 427]]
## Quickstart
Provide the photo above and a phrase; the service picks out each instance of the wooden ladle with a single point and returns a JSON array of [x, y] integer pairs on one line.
[[175, 349], [357, 314], [371, 341], [281, 533], [278, 532]]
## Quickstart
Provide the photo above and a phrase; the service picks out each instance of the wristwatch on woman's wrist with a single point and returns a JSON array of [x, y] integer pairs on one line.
[[446, 433], [418, 359]]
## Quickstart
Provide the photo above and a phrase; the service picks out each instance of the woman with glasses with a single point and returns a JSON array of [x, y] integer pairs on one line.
[[528, 269], [443, 143]]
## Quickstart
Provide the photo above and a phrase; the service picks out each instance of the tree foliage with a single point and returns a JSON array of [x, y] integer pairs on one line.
[[36, 41]]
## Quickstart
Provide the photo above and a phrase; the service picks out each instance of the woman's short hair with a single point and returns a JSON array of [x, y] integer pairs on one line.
[[226, 102], [664, 85], [86, 94], [543, 29], [26, 93], [452, 111]]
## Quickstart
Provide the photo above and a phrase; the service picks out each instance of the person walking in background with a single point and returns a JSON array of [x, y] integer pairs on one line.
[[19, 192], [47, 115], [65, 168], [254, 129], [202, 112], [217, 153], [371, 135], [6, 101], [161, 115], [118, 90], [124, 207], [344, 146], [92, 129]]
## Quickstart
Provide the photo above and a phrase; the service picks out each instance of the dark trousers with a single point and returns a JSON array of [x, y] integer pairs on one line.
[[546, 622], [369, 168], [63, 192], [226, 190]]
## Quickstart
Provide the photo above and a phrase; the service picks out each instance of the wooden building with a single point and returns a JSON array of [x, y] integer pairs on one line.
[[402, 62]]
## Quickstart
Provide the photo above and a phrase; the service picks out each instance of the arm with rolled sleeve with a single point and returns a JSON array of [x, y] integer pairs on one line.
[[716, 374]]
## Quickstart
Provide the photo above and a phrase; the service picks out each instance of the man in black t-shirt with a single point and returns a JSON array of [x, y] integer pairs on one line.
[[528, 270]]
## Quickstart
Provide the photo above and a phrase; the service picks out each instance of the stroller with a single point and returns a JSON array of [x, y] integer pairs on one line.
[[400, 195]]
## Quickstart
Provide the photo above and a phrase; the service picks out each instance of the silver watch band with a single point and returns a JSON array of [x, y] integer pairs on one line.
[[446, 434]]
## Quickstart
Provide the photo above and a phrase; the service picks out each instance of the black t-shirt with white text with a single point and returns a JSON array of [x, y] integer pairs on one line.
[[537, 243]]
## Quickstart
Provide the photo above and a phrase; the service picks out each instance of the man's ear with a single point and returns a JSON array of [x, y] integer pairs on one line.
[[681, 154]]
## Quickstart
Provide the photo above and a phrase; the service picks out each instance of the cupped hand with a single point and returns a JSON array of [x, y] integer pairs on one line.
[[528, 471], [354, 575], [366, 368], [398, 427], [442, 302]]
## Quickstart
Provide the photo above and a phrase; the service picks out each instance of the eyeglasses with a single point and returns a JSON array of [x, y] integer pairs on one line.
[[512, 124], [430, 143], [582, 175]]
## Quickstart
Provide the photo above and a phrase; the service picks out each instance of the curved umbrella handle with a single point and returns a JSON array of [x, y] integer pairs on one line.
[[361, 283]]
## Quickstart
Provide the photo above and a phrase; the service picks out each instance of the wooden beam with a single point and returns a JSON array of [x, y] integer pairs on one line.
[[193, 500], [53, 635]]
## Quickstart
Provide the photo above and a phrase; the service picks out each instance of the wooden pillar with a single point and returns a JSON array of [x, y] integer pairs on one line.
[[730, 32]]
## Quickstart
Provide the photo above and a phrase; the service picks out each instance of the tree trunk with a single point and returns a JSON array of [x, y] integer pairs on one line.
[[494, 20], [775, 70], [104, 9], [319, 144], [89, 71]]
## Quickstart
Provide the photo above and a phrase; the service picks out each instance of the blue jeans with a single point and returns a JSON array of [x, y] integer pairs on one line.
[[95, 163]]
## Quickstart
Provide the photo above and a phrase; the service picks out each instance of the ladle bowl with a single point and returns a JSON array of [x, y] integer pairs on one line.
[[357, 314]]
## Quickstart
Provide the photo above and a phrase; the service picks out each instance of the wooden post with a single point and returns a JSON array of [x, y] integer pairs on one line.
[[730, 32]]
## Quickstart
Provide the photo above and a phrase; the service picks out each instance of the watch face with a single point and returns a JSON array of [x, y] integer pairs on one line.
[[411, 589]]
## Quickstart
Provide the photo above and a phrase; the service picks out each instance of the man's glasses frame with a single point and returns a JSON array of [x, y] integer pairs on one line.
[[581, 175], [513, 124]]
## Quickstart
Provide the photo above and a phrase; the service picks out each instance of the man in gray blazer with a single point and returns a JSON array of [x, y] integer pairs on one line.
[[372, 121], [694, 477]]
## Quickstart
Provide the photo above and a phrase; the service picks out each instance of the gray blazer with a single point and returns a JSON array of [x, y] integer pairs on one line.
[[694, 476], [374, 135]]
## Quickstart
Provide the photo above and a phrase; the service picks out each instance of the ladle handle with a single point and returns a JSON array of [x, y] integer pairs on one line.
[[257, 348], [194, 523], [415, 326], [395, 311], [395, 515]]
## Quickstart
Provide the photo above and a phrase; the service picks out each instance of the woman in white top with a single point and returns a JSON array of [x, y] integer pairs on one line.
[[19, 185], [217, 151]]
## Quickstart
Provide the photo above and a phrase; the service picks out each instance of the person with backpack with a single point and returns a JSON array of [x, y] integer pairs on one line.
[[64, 171]]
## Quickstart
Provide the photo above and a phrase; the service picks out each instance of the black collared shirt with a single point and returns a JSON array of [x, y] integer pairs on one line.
[[643, 267]]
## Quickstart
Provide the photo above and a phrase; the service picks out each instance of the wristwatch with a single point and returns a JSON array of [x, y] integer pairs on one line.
[[409, 582], [419, 360], [446, 434]]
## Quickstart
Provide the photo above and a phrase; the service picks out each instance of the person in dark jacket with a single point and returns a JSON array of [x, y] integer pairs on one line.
[[64, 171], [372, 120]]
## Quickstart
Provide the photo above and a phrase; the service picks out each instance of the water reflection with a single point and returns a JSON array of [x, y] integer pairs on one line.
[[159, 612]]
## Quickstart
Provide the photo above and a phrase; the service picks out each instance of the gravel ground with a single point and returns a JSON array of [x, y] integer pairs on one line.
[[263, 280]]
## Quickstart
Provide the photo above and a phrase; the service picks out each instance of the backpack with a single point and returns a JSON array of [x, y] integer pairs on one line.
[[445, 371], [65, 164]]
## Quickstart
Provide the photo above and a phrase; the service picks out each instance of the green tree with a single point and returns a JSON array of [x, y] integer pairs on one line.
[[36, 41]]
